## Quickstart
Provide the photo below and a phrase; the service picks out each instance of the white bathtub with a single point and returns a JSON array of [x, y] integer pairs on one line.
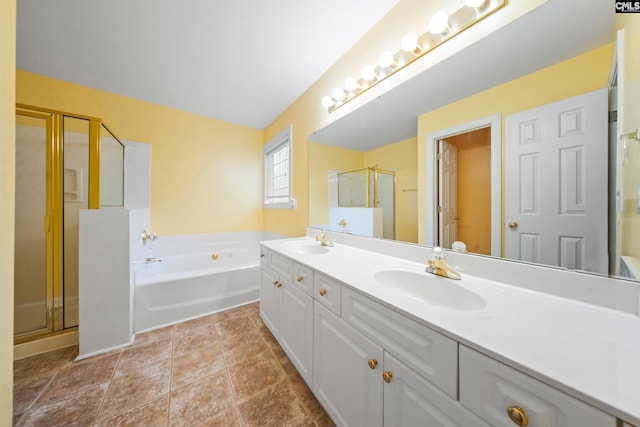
[[189, 283]]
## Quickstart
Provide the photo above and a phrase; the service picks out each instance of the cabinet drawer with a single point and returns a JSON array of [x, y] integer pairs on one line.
[[303, 278], [281, 265], [491, 389], [428, 352], [327, 291]]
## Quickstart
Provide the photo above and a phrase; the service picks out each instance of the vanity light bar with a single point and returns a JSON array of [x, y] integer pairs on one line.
[[443, 26]]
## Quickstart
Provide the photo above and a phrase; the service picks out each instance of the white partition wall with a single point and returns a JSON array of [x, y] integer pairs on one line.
[[105, 286]]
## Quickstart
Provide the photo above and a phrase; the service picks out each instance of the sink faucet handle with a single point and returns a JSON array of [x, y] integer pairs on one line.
[[438, 253]]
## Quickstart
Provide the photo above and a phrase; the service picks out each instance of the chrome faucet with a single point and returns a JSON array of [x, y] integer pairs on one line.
[[146, 236], [323, 238], [438, 265]]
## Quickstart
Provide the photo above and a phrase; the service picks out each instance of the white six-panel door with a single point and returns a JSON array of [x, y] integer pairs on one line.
[[556, 184]]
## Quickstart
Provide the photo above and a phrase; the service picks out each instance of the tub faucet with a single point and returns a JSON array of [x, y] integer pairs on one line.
[[323, 238], [150, 260], [438, 265], [146, 236]]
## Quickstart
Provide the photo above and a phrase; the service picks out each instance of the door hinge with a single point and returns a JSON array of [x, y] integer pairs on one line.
[[438, 156], [439, 209], [613, 116]]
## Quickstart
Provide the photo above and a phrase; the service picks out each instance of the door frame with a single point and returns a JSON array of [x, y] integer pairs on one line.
[[495, 122]]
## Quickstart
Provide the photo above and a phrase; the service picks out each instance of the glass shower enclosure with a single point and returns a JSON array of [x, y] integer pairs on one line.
[[370, 187]]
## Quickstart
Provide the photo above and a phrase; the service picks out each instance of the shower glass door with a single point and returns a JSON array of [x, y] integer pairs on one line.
[[32, 288], [75, 179]]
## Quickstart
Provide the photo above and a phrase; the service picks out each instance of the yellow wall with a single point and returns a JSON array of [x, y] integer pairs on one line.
[[206, 175], [7, 182], [401, 158], [629, 121], [575, 76]]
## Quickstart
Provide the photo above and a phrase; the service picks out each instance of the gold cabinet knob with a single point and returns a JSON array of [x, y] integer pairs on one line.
[[299, 278], [513, 224], [214, 256], [262, 255], [275, 282], [373, 363], [278, 284], [323, 292], [386, 376], [517, 415]]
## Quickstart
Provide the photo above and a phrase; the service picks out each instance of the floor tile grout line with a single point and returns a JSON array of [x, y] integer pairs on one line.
[[226, 369], [106, 392], [173, 342], [42, 390]]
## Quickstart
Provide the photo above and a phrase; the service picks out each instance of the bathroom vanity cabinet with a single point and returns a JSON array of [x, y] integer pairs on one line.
[[370, 364], [287, 310]]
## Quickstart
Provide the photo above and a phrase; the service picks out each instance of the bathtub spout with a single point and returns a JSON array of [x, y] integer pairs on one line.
[[150, 260]]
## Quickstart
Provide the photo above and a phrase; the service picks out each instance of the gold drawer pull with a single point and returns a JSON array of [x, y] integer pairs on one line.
[[323, 292], [262, 255], [278, 284], [373, 363], [214, 256], [386, 376], [299, 278], [517, 415]]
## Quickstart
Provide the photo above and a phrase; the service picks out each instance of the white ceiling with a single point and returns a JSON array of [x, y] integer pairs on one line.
[[241, 61]]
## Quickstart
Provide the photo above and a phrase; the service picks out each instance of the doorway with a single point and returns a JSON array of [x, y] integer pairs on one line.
[[480, 142], [464, 190]]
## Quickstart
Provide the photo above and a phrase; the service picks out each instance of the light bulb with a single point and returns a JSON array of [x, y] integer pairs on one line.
[[386, 59], [351, 84], [439, 23], [368, 74], [339, 94], [410, 43], [328, 102]]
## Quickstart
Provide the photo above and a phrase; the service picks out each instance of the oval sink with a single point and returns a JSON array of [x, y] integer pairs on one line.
[[306, 248], [431, 289]]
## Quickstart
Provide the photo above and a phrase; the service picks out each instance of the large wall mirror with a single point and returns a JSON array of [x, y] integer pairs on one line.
[[464, 107]]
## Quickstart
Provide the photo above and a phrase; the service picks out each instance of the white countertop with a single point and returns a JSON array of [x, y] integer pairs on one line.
[[588, 351]]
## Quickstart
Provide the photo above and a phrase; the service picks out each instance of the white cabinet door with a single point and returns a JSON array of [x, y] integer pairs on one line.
[[410, 400], [296, 329], [343, 381], [268, 302]]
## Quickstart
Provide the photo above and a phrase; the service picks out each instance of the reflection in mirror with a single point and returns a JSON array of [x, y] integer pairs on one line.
[[350, 143]]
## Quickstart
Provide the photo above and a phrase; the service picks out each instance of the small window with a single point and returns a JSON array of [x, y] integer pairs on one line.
[[277, 172]]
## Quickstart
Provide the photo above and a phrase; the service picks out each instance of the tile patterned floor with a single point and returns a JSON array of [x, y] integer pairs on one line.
[[225, 369]]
